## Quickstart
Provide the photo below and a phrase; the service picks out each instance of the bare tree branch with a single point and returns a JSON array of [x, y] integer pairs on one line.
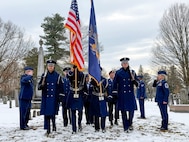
[[172, 44]]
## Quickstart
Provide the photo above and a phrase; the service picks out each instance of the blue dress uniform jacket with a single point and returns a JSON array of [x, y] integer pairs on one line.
[[26, 90], [162, 91], [124, 85], [141, 90], [99, 107], [76, 103], [66, 90], [109, 91], [50, 93]]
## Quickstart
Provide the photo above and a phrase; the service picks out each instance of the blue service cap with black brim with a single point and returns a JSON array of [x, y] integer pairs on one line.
[[140, 76], [111, 72], [51, 62], [28, 68], [162, 72], [66, 69], [125, 59]]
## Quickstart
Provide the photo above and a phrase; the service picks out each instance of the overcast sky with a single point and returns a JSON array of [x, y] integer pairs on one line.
[[126, 28]]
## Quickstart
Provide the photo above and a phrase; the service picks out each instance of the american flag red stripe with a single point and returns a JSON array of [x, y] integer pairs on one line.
[[73, 24]]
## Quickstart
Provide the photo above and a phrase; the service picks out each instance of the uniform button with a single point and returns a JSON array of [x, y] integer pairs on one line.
[[129, 90], [51, 89], [47, 89], [124, 79], [52, 83], [51, 95], [47, 83], [129, 79], [124, 91], [47, 95], [129, 85], [124, 85]]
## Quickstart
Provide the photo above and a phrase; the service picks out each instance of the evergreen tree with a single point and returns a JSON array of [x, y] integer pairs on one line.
[[31, 59], [54, 38]]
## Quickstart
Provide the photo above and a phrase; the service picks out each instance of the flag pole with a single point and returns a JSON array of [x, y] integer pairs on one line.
[[100, 89], [75, 80]]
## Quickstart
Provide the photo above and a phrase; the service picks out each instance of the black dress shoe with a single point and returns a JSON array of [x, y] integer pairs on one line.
[[80, 128], [116, 123], [25, 128], [111, 123], [163, 129], [73, 132], [131, 128], [126, 131], [54, 128], [97, 130]]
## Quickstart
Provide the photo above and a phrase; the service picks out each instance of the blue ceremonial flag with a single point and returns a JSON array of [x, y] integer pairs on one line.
[[94, 68]]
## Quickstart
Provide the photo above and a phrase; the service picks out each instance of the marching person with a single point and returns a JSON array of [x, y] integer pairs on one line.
[[112, 104], [98, 103], [64, 97], [162, 95], [75, 101], [141, 95], [51, 85], [123, 84], [25, 97]]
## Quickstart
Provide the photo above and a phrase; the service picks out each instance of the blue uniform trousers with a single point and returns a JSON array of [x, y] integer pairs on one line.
[[65, 111], [89, 117], [112, 106], [97, 124], [24, 107], [47, 124], [74, 127], [141, 104], [127, 119], [164, 115]]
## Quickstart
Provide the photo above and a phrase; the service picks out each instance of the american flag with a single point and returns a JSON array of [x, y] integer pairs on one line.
[[73, 24]]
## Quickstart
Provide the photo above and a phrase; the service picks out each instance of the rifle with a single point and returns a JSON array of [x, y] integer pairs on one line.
[[44, 76]]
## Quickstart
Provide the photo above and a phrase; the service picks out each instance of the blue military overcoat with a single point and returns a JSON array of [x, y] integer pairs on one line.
[[123, 83], [50, 93]]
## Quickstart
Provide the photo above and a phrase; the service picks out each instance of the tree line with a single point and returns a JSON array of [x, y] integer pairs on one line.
[[171, 50]]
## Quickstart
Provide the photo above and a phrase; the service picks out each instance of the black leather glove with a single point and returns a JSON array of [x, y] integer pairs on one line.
[[40, 87], [155, 83], [135, 83]]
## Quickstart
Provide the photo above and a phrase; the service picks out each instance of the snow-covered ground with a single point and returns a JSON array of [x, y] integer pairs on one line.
[[144, 130]]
